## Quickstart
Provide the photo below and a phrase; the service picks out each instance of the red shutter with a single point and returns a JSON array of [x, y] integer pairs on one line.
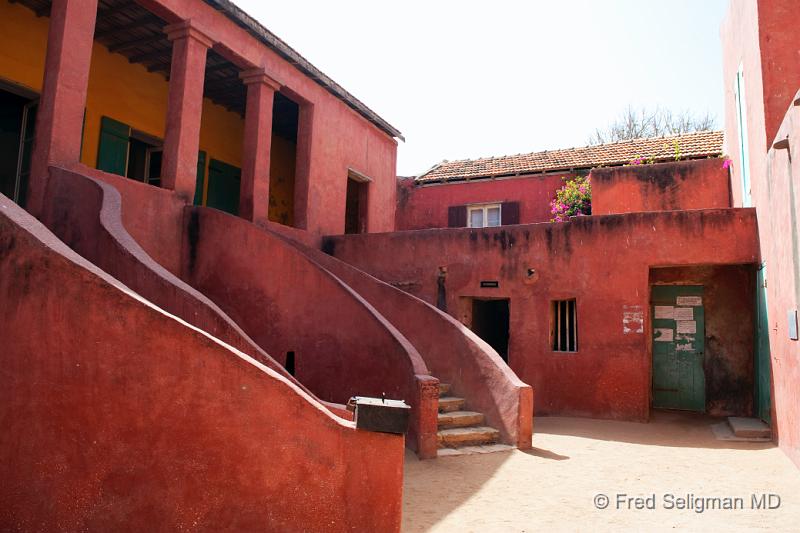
[[509, 213], [457, 216]]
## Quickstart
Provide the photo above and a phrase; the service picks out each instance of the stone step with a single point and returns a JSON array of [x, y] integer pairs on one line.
[[748, 427], [456, 419], [444, 389], [471, 436], [450, 403]]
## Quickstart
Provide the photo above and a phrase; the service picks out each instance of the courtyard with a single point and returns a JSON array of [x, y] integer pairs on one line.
[[553, 486]]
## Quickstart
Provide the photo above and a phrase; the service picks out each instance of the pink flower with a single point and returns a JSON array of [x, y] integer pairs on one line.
[[726, 164]]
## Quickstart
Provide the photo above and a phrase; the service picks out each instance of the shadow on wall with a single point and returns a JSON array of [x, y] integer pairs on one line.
[[136, 398]]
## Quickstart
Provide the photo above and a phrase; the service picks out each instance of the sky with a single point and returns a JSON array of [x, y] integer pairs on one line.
[[467, 79]]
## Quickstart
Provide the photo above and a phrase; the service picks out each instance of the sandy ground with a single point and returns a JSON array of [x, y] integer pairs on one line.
[[554, 486]]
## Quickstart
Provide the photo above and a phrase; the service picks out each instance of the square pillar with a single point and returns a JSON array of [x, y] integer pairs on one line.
[[59, 119], [184, 108], [254, 194]]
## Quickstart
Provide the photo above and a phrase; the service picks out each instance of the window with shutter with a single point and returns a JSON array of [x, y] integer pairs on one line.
[[510, 213], [112, 154], [457, 216]]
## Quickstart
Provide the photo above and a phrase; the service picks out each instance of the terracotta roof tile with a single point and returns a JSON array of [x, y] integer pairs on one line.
[[691, 146]]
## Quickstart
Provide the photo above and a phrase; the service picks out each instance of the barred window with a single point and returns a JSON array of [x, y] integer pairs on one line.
[[564, 326]]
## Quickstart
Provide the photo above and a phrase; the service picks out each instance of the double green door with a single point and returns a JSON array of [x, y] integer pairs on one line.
[[678, 346]]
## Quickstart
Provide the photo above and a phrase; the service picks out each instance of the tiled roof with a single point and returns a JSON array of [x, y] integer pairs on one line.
[[690, 145]]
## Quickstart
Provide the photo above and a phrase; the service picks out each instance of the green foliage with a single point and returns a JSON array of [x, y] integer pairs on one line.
[[574, 199]]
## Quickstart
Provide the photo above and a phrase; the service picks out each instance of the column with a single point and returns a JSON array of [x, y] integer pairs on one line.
[[59, 121], [184, 108], [254, 194]]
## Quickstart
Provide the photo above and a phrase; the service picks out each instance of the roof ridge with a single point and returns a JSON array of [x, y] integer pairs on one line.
[[629, 141], [704, 143]]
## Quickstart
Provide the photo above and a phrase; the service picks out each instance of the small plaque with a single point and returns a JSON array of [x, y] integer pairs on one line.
[[687, 326], [664, 312], [792, 318], [693, 301], [663, 335], [490, 284], [684, 313]]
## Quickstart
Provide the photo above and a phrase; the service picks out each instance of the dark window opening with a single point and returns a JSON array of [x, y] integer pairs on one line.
[[564, 326], [490, 321], [289, 366], [144, 158], [283, 160], [355, 210], [17, 119]]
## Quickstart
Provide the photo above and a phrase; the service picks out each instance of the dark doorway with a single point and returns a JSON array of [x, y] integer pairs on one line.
[[490, 322], [283, 160], [17, 118], [355, 212]]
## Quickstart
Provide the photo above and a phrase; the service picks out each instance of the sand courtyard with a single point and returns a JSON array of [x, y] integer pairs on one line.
[[578, 465]]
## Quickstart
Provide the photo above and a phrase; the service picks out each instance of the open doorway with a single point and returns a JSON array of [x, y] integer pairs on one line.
[[283, 160], [490, 321], [17, 119], [355, 209]]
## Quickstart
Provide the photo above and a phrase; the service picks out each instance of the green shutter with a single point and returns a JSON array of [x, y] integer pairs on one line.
[[224, 181], [112, 154], [201, 174]]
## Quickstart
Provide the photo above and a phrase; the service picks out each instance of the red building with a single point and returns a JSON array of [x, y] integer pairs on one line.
[[762, 80], [183, 164], [204, 254]]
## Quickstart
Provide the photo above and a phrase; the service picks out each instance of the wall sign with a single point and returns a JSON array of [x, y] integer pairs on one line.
[[664, 312], [684, 313], [689, 300], [632, 319], [663, 335], [490, 284], [687, 326], [792, 318]]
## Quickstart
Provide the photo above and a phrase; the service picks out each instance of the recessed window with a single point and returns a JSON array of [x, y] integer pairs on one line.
[[483, 216], [564, 326]]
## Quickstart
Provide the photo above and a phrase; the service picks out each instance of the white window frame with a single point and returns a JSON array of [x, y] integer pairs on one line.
[[485, 208]]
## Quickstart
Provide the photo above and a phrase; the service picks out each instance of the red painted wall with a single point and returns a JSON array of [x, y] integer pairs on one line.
[[453, 353], [106, 401], [762, 37], [697, 184], [422, 207], [342, 346], [602, 261], [282, 301]]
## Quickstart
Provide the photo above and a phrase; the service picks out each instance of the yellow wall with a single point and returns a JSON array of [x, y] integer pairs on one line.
[[117, 89]]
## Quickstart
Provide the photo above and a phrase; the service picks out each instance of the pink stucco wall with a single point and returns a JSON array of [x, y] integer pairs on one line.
[[425, 206], [762, 38]]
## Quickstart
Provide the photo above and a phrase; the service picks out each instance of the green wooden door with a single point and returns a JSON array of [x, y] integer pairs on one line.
[[112, 154], [762, 358], [224, 182], [678, 346]]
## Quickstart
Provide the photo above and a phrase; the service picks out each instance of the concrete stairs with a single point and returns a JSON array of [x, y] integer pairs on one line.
[[749, 428], [460, 428]]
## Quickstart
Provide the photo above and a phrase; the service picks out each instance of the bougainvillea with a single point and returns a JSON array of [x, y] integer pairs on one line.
[[574, 199]]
